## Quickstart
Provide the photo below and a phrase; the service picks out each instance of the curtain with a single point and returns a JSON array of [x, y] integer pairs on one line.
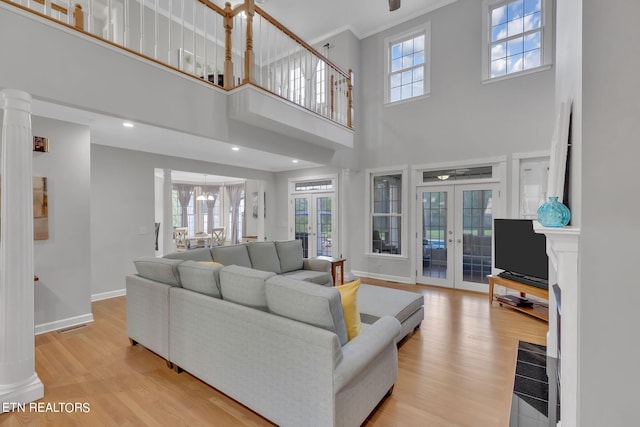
[[214, 191], [184, 196], [235, 196]]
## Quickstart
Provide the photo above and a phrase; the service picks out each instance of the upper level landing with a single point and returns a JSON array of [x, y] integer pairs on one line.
[[58, 64]]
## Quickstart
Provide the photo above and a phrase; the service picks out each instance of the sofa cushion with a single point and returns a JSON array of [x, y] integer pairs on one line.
[[317, 277], [200, 254], [348, 297], [290, 255], [264, 256], [159, 269], [308, 303], [200, 278], [376, 301], [232, 255], [244, 286]]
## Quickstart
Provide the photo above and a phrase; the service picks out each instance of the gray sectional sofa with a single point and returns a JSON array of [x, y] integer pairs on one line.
[[275, 344], [261, 330]]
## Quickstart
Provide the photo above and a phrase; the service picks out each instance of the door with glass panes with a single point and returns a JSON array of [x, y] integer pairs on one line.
[[313, 224], [455, 228]]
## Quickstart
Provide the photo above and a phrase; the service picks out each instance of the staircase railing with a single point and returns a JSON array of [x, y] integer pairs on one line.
[[227, 47]]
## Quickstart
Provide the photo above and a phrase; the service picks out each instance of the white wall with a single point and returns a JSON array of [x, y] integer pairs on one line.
[[609, 291], [123, 208], [461, 119], [63, 263]]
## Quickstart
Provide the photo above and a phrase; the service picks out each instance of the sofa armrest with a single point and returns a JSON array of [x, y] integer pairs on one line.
[[359, 353], [316, 265], [148, 313]]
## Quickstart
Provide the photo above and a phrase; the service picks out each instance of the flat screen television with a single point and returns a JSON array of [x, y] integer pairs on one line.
[[521, 252]]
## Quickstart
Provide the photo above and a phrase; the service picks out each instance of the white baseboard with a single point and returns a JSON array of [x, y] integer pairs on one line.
[[399, 279], [64, 323], [107, 295]]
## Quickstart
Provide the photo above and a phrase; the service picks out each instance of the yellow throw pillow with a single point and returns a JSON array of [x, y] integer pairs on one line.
[[348, 295], [213, 263]]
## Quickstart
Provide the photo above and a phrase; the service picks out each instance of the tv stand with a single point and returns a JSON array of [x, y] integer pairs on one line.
[[524, 289]]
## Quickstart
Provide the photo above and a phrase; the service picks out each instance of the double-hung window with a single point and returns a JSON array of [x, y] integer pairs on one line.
[[407, 59], [517, 37]]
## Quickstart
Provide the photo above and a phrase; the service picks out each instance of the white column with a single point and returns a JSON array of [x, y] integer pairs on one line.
[[19, 382], [261, 211], [168, 245]]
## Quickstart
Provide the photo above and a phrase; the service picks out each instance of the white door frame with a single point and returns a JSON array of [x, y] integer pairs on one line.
[[334, 193], [499, 204]]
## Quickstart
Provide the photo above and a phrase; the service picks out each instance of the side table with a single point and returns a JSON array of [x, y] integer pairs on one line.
[[335, 264]]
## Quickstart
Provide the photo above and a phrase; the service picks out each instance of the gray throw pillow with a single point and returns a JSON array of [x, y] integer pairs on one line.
[[232, 255], [244, 286], [305, 302], [161, 270], [264, 256], [290, 255], [201, 278]]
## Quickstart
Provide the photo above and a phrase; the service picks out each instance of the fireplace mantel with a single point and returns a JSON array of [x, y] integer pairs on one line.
[[563, 250], [559, 240]]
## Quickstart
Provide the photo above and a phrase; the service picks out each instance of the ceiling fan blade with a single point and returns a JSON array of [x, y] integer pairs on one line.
[[394, 5]]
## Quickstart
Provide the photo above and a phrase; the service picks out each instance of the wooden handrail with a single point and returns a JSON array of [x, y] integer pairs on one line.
[[213, 7]]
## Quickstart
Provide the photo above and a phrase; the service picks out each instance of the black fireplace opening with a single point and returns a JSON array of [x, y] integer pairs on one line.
[[534, 401]]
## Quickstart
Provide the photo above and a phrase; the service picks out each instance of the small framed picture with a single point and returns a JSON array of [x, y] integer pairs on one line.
[[41, 144]]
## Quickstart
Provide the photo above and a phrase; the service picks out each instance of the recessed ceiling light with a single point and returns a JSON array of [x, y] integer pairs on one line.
[[127, 124], [295, 161], [236, 148]]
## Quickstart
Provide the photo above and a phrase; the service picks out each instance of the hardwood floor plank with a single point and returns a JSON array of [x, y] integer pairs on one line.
[[457, 369]]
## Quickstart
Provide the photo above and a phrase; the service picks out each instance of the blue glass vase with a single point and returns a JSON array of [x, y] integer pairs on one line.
[[554, 213]]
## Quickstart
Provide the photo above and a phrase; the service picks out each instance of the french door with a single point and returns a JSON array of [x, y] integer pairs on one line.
[[455, 229], [313, 223]]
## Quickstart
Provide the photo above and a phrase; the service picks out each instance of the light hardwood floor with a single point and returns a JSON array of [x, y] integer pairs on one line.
[[456, 370]]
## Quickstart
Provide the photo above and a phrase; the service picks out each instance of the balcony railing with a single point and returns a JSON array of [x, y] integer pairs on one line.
[[227, 47]]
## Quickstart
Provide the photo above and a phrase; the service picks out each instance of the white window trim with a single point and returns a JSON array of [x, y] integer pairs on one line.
[[423, 29], [547, 42], [404, 233]]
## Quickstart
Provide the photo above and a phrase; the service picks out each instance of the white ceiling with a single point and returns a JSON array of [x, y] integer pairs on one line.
[[313, 21], [107, 130]]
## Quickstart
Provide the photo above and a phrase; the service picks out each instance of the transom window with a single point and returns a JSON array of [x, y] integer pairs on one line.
[[517, 34], [407, 58]]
